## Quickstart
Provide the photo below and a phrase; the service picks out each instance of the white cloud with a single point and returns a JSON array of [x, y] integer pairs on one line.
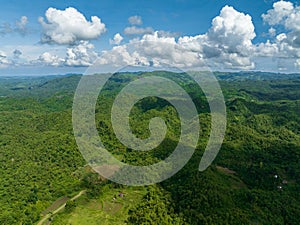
[[4, 62], [281, 37], [227, 44], [163, 33], [235, 61], [229, 40], [287, 15], [133, 30], [116, 40], [281, 10], [50, 60], [267, 49], [21, 25], [166, 51], [69, 26], [135, 20], [151, 49], [119, 56], [31, 53], [232, 31], [272, 32], [82, 54], [297, 63]]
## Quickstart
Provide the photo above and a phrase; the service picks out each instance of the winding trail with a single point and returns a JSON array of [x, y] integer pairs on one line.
[[46, 217]]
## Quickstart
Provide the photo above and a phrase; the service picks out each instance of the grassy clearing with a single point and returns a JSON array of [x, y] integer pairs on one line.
[[109, 208], [55, 205]]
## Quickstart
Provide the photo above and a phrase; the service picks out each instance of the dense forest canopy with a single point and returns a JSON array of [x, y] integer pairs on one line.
[[255, 178]]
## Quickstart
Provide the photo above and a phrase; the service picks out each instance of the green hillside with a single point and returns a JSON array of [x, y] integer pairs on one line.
[[255, 178]]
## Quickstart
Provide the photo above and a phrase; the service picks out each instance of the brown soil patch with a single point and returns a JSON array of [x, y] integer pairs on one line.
[[225, 170], [109, 170]]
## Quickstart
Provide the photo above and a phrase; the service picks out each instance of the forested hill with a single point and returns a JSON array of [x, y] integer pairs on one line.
[[48, 85], [255, 179]]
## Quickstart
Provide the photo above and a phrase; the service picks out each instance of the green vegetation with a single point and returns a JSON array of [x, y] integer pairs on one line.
[[255, 179], [106, 208]]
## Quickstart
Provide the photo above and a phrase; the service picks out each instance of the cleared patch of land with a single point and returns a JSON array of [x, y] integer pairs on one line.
[[109, 208], [57, 207]]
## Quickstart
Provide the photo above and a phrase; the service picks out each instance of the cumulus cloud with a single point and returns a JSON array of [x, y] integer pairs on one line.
[[233, 31], [272, 32], [50, 60], [19, 27], [280, 12], [116, 40], [166, 51], [4, 62], [119, 56], [287, 15], [228, 43], [82, 54], [79, 55], [297, 63], [231, 34], [267, 49], [151, 49], [163, 33], [133, 30], [134, 53], [69, 26], [135, 20], [287, 44], [136, 30]]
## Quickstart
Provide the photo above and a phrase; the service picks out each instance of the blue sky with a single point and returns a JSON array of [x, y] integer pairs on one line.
[[224, 35]]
